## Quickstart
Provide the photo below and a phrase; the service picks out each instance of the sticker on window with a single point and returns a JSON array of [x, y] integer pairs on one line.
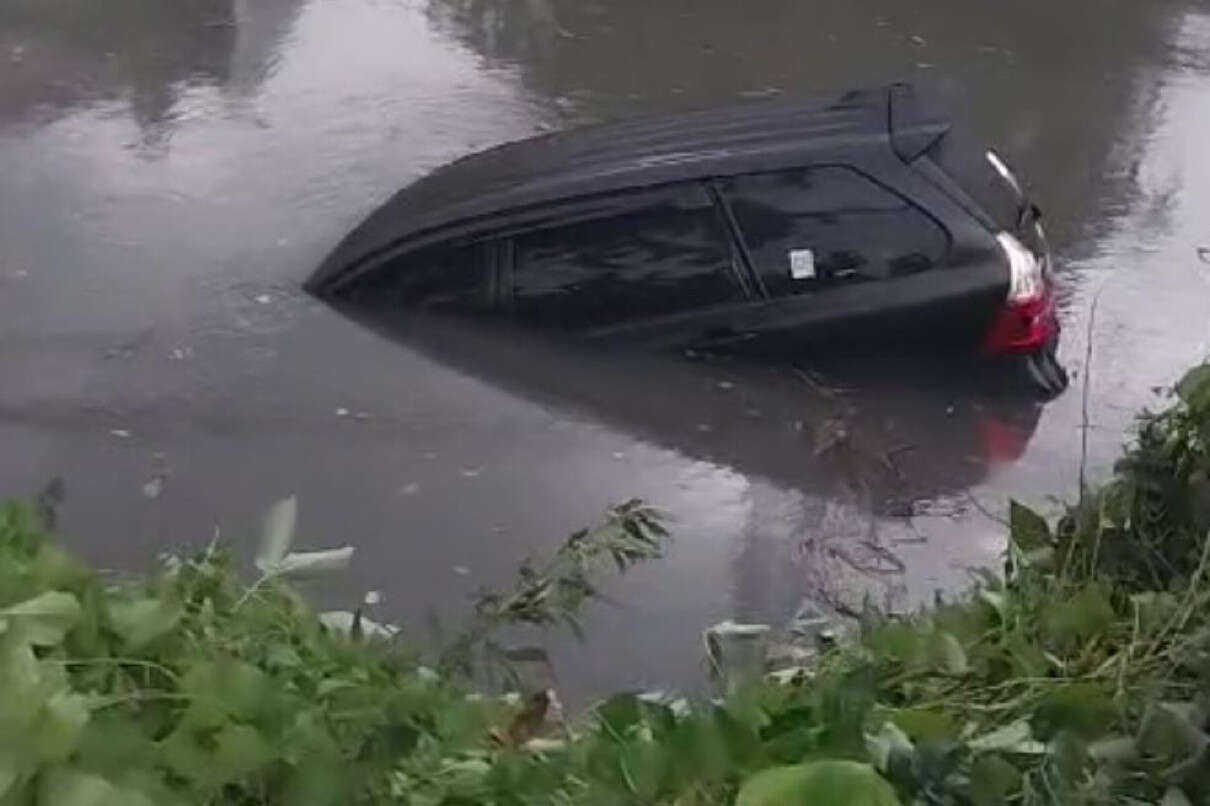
[[802, 264]]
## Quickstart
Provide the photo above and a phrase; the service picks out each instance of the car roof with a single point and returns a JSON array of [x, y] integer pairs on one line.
[[472, 194]]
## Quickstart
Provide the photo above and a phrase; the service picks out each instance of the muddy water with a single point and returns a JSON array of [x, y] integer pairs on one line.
[[167, 179]]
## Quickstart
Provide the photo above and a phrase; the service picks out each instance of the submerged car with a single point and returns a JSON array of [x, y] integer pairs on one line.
[[764, 226]]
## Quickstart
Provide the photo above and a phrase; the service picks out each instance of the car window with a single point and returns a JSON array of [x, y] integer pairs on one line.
[[443, 279], [811, 227], [669, 251]]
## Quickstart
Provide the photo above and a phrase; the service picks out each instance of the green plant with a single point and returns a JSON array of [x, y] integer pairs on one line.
[[1079, 677]]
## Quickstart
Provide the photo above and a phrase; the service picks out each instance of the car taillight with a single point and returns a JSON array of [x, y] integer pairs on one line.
[[1026, 322]]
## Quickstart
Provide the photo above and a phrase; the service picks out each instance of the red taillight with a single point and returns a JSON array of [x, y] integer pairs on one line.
[[1022, 327], [1027, 321]]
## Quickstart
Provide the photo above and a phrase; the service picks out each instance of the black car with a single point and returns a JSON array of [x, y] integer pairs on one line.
[[767, 226]]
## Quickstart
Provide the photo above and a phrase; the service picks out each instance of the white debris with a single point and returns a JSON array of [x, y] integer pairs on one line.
[[704, 427], [725, 385], [263, 299], [120, 433], [462, 570], [411, 488], [919, 40], [181, 353], [361, 415], [619, 455], [154, 487], [471, 472], [342, 412], [372, 597]]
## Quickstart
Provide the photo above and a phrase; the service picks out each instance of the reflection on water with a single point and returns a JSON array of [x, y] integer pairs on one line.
[[866, 447], [61, 52], [169, 172]]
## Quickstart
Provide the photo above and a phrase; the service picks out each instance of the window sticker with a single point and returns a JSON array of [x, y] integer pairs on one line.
[[802, 264]]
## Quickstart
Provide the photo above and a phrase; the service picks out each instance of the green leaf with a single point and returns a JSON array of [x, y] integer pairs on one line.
[[925, 724], [1027, 528], [1085, 615], [619, 713], [818, 783], [302, 564], [277, 534], [1082, 709], [946, 653], [1167, 735], [138, 622], [1175, 797], [44, 619], [992, 780], [218, 757], [225, 688], [59, 726], [888, 745], [15, 768], [1194, 387], [1114, 750], [64, 786]]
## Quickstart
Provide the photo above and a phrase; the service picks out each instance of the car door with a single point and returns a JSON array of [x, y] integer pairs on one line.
[[656, 264]]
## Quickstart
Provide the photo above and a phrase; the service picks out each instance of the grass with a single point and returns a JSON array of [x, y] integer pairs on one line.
[[1078, 675]]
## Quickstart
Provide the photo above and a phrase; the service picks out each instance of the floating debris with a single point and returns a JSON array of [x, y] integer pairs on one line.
[[462, 570], [154, 487], [372, 598], [181, 353], [411, 488], [619, 455], [263, 299], [471, 472], [120, 433], [1203, 254], [362, 415], [726, 385], [343, 412], [919, 40]]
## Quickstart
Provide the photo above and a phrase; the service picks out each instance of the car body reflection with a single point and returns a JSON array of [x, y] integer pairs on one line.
[[889, 432]]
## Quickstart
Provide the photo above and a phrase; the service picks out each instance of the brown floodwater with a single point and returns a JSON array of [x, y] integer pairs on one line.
[[169, 177]]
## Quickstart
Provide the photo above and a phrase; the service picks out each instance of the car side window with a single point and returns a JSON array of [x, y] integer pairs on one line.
[[810, 228], [663, 252], [446, 279]]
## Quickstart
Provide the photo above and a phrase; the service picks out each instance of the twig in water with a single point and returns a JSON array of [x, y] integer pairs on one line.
[[1092, 318]]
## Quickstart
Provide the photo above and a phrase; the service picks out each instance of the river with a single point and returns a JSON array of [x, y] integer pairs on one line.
[[168, 178]]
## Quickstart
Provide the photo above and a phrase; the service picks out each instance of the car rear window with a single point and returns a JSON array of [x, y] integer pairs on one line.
[[807, 228], [668, 252]]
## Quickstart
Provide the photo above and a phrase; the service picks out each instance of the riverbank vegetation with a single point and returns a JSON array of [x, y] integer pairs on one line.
[[1077, 674]]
